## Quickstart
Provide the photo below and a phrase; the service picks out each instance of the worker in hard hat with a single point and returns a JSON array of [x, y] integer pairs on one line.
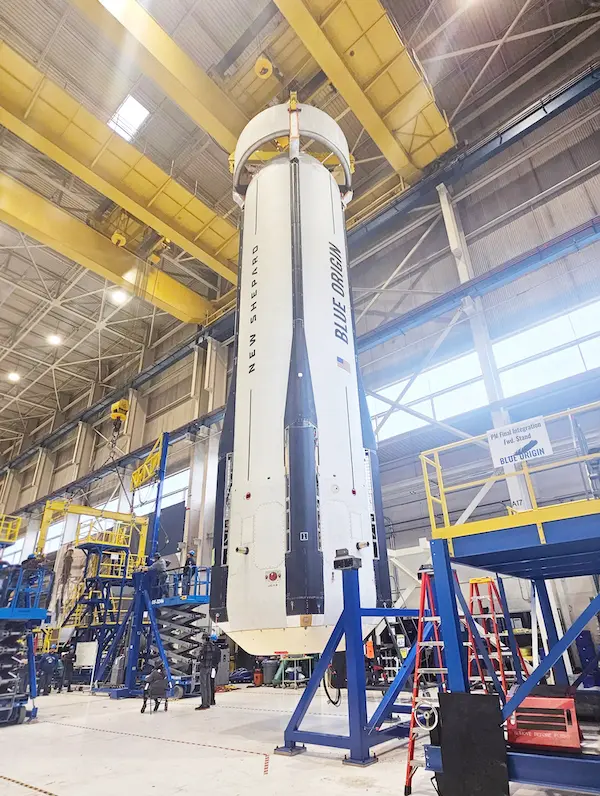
[[157, 573], [48, 666], [189, 572]]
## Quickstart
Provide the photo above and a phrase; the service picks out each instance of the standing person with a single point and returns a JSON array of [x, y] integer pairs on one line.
[[157, 572], [189, 572], [156, 688], [216, 660], [68, 660], [205, 666], [48, 665]]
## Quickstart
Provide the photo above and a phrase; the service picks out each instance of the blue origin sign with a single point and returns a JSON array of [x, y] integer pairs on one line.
[[519, 442]]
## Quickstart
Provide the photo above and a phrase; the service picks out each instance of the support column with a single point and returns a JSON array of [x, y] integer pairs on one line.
[[9, 492], [193, 533], [202, 488], [31, 534], [44, 469], [133, 431], [559, 668], [82, 455], [445, 597], [473, 308]]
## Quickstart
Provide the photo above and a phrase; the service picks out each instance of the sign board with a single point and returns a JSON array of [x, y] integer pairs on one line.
[[85, 654], [519, 442]]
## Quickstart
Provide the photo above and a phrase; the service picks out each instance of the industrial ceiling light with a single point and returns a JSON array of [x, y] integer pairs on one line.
[[119, 296], [54, 339], [13, 376]]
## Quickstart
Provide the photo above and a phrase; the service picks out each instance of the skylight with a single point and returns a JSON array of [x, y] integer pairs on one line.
[[128, 118]]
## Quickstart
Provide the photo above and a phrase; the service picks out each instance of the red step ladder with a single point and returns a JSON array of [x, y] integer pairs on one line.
[[424, 712], [486, 609]]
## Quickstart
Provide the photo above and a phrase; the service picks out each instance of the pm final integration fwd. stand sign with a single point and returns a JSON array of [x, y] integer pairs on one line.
[[519, 442]]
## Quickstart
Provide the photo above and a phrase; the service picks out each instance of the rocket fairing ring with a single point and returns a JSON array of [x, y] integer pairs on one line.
[[274, 122]]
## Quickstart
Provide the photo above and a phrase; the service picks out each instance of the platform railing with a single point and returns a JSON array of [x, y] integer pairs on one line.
[[195, 584], [25, 590], [94, 531], [9, 528], [441, 486]]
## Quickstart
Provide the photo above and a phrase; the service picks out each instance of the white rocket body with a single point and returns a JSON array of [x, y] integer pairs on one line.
[[298, 484]]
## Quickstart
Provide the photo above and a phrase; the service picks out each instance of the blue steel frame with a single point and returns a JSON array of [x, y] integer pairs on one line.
[[571, 772], [28, 605], [363, 733], [134, 620]]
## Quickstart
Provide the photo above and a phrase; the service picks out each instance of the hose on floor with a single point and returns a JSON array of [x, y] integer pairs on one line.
[[337, 700]]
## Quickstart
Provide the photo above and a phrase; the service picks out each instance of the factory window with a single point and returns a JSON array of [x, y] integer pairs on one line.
[[462, 399], [538, 372], [175, 488], [54, 536], [590, 351], [128, 118], [556, 349], [532, 342], [13, 554]]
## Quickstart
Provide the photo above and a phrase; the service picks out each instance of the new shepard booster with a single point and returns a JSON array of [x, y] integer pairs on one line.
[[298, 473]]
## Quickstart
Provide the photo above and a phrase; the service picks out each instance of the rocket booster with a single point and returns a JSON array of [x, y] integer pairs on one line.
[[298, 476]]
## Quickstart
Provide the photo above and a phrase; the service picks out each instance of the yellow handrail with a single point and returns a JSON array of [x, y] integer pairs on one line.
[[9, 528], [436, 491]]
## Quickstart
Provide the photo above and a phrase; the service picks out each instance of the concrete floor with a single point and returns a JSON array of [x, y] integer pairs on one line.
[[83, 745]]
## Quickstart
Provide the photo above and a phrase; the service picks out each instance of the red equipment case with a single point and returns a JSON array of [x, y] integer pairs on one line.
[[545, 722]]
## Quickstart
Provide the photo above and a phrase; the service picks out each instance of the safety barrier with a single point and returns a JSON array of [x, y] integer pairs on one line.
[[194, 584], [519, 493], [9, 528]]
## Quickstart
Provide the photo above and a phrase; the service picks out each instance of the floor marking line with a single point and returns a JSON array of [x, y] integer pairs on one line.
[[25, 785], [157, 738]]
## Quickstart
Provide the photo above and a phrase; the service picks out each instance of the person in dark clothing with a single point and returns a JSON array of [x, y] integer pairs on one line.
[[189, 572], [48, 665], [205, 665], [157, 574], [30, 569], [68, 660], [156, 688], [216, 660]]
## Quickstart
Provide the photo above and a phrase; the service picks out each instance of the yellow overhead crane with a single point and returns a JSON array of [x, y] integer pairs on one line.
[[39, 218], [359, 49], [128, 532], [40, 112], [354, 42]]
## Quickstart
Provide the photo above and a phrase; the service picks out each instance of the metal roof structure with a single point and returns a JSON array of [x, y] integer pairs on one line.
[[71, 187]]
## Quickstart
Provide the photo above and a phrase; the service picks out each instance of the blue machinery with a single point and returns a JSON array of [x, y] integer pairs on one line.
[[571, 772], [559, 540], [24, 597], [160, 620]]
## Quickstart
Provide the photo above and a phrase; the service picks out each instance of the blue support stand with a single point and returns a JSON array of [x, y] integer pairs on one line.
[[363, 734], [445, 598]]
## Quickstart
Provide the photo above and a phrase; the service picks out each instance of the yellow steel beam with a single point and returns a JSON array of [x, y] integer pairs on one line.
[[133, 31], [37, 217], [41, 113], [357, 46]]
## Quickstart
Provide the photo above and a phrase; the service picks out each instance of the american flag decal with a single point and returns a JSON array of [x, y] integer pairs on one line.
[[343, 364]]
